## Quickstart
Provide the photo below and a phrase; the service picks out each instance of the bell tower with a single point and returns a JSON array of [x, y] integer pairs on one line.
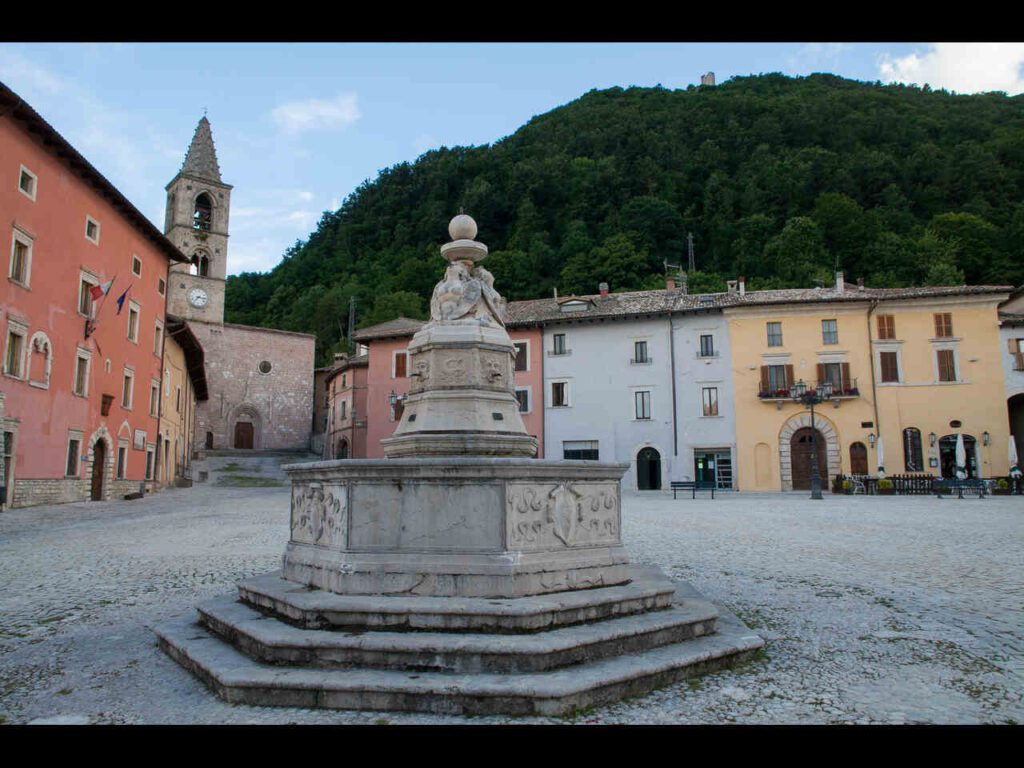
[[196, 221]]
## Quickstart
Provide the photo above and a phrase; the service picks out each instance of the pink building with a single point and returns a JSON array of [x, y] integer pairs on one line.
[[80, 387], [346, 387], [387, 378]]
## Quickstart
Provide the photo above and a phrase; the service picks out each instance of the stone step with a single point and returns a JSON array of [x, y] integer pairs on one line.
[[649, 589], [274, 642], [237, 678]]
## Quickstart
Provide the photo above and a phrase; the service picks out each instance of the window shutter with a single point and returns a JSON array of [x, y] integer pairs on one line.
[[846, 382], [789, 376], [1014, 345], [821, 372], [400, 365], [764, 378]]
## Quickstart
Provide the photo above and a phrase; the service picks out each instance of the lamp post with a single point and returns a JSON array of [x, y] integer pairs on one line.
[[810, 397]]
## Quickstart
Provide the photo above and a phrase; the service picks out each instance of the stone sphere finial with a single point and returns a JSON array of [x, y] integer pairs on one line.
[[462, 227]]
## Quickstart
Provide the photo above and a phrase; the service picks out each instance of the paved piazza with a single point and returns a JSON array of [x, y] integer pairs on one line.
[[876, 610]]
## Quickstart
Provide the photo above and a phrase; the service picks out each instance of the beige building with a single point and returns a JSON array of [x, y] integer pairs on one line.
[[260, 380], [169, 459]]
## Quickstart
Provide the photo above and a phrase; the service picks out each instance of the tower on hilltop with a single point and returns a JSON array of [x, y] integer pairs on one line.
[[198, 203]]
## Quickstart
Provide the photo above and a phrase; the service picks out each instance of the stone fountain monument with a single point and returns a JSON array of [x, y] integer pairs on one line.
[[460, 574]]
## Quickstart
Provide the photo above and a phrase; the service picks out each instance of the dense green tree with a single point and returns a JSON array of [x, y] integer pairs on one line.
[[388, 306]]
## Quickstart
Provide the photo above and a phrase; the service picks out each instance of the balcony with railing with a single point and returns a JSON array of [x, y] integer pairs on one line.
[[843, 390]]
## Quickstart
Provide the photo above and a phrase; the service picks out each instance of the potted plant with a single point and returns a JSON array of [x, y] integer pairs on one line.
[[1002, 487], [885, 487], [847, 487]]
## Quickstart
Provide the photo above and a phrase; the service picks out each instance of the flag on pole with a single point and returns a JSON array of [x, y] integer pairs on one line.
[[121, 298], [99, 291]]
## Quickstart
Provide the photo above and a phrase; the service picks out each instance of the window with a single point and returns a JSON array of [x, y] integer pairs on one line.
[[92, 230], [158, 338], [344, 405], [133, 322], [912, 454], [832, 373], [886, 327], [558, 344], [82, 374], [777, 378], [203, 214], [136, 266], [523, 396], [707, 345], [947, 364], [126, 390], [39, 360], [27, 183], [85, 298], [943, 325], [890, 369], [21, 259], [642, 404], [122, 461], [399, 365], [14, 359], [199, 264], [71, 468], [149, 463], [161, 286], [640, 352], [829, 332], [559, 394], [344, 378], [522, 359], [154, 398], [710, 401], [774, 334], [585, 450], [177, 401]]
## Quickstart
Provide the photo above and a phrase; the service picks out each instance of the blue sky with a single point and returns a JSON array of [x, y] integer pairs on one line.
[[299, 126]]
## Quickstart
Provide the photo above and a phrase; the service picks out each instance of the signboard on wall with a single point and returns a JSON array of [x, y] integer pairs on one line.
[[139, 443]]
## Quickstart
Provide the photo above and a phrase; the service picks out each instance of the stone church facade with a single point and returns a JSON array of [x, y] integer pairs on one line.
[[260, 380]]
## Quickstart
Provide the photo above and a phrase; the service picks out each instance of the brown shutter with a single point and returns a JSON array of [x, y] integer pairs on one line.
[[789, 376], [1014, 345], [846, 382], [400, 365], [764, 378], [821, 373]]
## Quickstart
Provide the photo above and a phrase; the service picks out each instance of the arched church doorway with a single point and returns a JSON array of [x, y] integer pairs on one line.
[[801, 448], [648, 470], [99, 465], [243, 434]]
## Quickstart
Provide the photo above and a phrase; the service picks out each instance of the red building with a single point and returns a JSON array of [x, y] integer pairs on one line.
[[80, 385]]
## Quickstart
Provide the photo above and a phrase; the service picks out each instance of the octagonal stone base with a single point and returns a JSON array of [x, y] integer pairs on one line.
[[455, 527]]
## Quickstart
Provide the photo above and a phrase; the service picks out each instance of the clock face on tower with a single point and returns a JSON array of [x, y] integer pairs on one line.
[[197, 297]]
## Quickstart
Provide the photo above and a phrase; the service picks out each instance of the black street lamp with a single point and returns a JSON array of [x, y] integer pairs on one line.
[[810, 397]]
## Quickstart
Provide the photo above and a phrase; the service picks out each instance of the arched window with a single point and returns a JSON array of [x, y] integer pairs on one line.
[[40, 360], [200, 264], [203, 214], [913, 458]]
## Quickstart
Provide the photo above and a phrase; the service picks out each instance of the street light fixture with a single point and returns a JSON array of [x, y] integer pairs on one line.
[[810, 397]]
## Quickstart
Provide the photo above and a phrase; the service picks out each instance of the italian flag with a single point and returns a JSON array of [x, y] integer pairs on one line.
[[98, 291]]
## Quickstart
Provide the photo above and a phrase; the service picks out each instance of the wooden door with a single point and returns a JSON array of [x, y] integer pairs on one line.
[[858, 459], [99, 465], [243, 434], [800, 459]]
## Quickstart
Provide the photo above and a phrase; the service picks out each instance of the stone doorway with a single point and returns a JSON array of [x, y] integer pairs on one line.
[[99, 463], [243, 434], [648, 470], [858, 459], [800, 451]]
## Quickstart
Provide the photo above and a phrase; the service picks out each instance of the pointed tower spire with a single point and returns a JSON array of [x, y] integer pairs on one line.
[[201, 160]]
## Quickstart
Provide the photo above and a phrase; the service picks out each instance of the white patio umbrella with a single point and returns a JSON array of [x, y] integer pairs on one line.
[[880, 451], [1014, 461], [961, 457]]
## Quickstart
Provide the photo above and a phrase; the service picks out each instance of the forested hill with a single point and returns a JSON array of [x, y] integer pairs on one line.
[[779, 179]]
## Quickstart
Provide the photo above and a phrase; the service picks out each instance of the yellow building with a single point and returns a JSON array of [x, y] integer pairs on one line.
[[904, 377], [184, 384]]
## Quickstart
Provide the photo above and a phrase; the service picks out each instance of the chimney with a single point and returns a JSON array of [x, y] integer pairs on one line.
[[743, 285], [840, 284], [603, 288], [731, 285], [670, 283], [555, 289], [340, 357], [860, 283]]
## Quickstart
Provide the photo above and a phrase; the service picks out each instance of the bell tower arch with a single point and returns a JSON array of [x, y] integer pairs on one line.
[[198, 206]]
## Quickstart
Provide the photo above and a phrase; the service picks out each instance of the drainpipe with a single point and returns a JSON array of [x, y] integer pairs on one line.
[[543, 408], [874, 394], [672, 356]]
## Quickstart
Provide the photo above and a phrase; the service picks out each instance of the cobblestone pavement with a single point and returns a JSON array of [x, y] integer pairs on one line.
[[891, 610]]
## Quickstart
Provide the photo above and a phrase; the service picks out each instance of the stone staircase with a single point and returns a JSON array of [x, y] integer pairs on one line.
[[285, 644]]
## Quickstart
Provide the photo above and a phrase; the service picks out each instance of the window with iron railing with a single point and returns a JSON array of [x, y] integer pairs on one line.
[[640, 353], [707, 345]]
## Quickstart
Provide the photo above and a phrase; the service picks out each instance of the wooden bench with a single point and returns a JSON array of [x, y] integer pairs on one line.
[[948, 487], [692, 485]]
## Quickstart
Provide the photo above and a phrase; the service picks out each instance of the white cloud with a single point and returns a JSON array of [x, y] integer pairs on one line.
[[961, 67], [317, 114]]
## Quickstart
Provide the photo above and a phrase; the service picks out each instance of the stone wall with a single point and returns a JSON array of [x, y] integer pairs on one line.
[[278, 403]]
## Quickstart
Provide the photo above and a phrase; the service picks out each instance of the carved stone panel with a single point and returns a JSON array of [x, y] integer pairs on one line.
[[320, 514], [558, 515]]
